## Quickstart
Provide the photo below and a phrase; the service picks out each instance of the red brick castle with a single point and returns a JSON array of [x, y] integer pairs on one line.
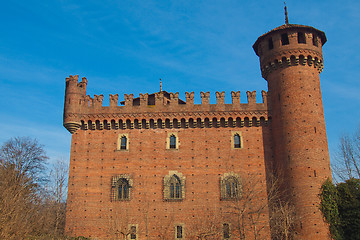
[[158, 167]]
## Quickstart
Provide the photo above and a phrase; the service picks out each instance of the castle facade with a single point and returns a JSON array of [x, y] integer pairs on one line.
[[159, 167]]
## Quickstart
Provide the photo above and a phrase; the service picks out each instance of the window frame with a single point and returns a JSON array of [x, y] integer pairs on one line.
[[176, 232], [119, 142], [229, 231], [174, 186], [115, 187], [229, 191], [169, 145], [233, 134], [130, 226]]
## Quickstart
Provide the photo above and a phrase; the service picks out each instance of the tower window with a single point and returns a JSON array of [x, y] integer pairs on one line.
[[226, 231], [179, 232], [172, 141], [301, 37], [271, 44], [315, 40], [284, 39], [174, 184], [175, 187], [230, 187], [121, 186], [237, 142], [123, 189], [123, 143]]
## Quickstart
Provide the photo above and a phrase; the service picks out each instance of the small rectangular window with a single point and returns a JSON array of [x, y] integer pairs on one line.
[[133, 232], [226, 231], [301, 37], [179, 232], [284, 39]]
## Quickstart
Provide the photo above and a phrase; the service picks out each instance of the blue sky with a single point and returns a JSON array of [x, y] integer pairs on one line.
[[125, 46]]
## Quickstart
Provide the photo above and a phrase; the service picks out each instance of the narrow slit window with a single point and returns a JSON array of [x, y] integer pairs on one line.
[[172, 142], [237, 141], [123, 143], [284, 39]]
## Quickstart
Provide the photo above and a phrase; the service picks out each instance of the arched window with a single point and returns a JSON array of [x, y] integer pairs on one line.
[[230, 187], [123, 143], [237, 141], [122, 189], [172, 141], [174, 185]]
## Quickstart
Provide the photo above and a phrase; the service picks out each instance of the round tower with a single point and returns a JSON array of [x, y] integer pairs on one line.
[[291, 60], [74, 98]]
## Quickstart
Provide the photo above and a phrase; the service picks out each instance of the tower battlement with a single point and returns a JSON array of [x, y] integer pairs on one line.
[[86, 110]]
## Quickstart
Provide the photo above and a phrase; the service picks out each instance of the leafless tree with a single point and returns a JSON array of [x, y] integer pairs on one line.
[[205, 226], [348, 157]]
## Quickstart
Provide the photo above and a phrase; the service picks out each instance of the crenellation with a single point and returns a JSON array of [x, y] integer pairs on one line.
[[205, 96], [98, 100], [113, 100], [128, 99], [174, 98], [235, 97], [144, 99], [220, 97], [251, 97], [264, 95], [189, 98]]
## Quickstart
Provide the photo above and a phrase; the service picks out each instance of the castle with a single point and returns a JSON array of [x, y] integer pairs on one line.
[[158, 167]]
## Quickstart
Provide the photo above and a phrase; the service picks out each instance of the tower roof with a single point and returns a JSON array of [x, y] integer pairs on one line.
[[321, 34]]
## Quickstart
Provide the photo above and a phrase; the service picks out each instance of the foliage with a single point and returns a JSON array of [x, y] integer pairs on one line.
[[329, 207], [340, 205]]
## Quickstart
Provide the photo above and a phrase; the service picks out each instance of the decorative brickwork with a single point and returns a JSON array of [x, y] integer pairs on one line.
[[140, 151]]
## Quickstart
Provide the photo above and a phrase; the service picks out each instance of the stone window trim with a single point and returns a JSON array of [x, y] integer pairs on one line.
[[167, 181], [233, 134], [226, 236], [177, 143], [230, 178], [120, 136], [176, 233], [130, 227], [114, 186]]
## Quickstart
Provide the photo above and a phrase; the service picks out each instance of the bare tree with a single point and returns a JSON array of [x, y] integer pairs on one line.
[[348, 157], [205, 226], [22, 161], [248, 210]]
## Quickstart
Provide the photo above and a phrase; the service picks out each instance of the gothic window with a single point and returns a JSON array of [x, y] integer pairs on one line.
[[121, 187], [123, 142], [174, 185], [226, 231], [237, 142], [230, 187], [172, 141]]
